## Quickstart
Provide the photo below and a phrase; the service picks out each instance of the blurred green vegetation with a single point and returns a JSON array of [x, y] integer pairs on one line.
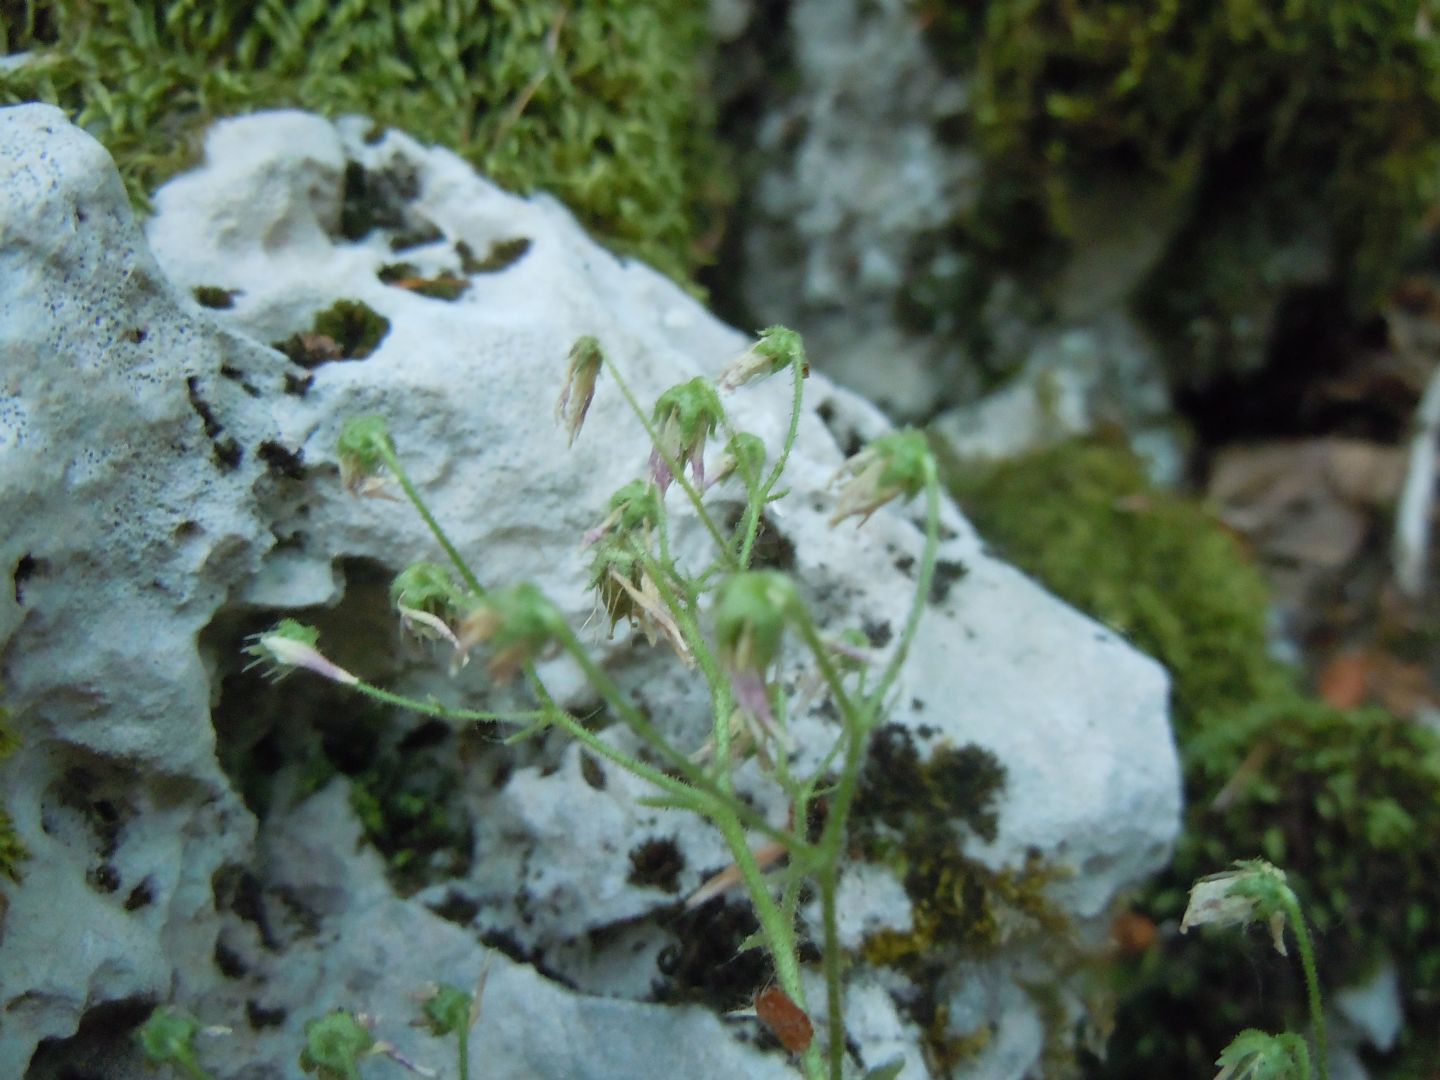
[[1347, 801]]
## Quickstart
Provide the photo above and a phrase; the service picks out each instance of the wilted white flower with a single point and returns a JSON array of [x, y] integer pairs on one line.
[[1254, 891], [893, 465]]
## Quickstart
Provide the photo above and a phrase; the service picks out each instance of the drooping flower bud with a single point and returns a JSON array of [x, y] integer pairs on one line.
[[744, 454], [893, 465], [429, 601], [1253, 891], [627, 591], [586, 360], [634, 509], [363, 443], [685, 416], [429, 587], [751, 610], [1258, 1055], [168, 1038], [447, 1010], [518, 624], [776, 349]]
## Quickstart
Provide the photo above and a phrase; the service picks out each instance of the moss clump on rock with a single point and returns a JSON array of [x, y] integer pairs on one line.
[[600, 104], [1273, 127], [913, 816]]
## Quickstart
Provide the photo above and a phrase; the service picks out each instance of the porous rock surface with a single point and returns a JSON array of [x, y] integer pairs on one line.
[[169, 482]]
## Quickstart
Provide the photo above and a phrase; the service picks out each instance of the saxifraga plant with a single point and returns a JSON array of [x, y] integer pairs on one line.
[[1254, 891], [748, 614]]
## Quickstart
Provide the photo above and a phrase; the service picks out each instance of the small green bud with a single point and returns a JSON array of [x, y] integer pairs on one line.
[[447, 1011], [586, 360], [427, 587], [334, 1045], [776, 349], [1258, 1055], [635, 508], [751, 610], [364, 441], [896, 464], [517, 623], [685, 416], [168, 1038]]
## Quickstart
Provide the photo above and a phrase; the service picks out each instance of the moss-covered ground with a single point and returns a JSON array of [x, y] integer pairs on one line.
[[600, 104], [1348, 801]]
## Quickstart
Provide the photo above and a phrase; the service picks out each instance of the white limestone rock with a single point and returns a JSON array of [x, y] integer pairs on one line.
[[170, 494]]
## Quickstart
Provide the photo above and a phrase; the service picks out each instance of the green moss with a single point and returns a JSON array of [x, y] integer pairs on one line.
[[959, 902], [443, 286], [502, 255], [408, 802], [1083, 518], [913, 816], [927, 801], [347, 330], [600, 104], [1273, 121]]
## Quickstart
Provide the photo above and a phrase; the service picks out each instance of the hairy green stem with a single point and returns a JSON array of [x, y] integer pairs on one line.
[[777, 929], [923, 582], [444, 712], [859, 722], [827, 881], [1312, 979], [750, 529], [392, 462]]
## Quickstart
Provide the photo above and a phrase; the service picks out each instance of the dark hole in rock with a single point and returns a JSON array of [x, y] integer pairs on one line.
[[104, 878], [282, 462], [877, 633], [101, 1047], [457, 908], [260, 1017], [213, 296], [142, 895], [229, 962], [657, 863], [26, 568], [947, 573], [592, 772], [376, 199]]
